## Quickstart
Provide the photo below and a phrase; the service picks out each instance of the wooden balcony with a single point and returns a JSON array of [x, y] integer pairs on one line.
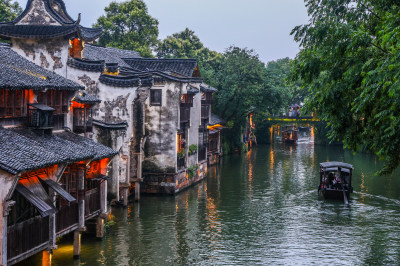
[[92, 202], [27, 238], [67, 217], [185, 114], [83, 128]]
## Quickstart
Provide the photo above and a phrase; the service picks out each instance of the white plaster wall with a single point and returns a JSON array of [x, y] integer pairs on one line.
[[162, 123], [51, 54], [195, 122]]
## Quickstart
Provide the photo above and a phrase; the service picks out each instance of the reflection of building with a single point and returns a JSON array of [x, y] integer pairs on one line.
[[249, 137], [53, 180], [215, 127]]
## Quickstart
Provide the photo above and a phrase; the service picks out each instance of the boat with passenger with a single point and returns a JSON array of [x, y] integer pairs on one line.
[[289, 134], [335, 180]]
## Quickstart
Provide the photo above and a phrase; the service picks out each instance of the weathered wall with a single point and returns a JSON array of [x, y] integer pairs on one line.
[[50, 54], [7, 182], [162, 123], [164, 183]]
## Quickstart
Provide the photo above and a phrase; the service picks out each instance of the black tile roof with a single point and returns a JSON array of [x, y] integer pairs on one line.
[[48, 31], [108, 54], [214, 120], [185, 67], [42, 26], [86, 65], [98, 150], [111, 126], [89, 34], [85, 98], [36, 31], [206, 88], [21, 150], [17, 72], [192, 90], [120, 81]]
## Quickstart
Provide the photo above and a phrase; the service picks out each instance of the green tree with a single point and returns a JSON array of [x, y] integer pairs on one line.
[[9, 10], [128, 25], [278, 77], [242, 87], [350, 61]]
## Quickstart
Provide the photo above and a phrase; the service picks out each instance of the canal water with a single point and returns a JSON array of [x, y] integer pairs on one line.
[[257, 208]]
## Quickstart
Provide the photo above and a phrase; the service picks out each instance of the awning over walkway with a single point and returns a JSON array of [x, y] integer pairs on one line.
[[43, 207], [57, 188]]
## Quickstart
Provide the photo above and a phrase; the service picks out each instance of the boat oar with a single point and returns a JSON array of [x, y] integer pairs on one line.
[[344, 195]]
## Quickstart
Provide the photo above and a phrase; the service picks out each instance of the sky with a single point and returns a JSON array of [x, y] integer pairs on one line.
[[262, 25]]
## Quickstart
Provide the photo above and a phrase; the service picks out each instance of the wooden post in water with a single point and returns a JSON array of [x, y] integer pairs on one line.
[[77, 244]]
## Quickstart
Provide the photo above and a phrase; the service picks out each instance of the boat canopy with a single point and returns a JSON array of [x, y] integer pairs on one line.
[[327, 165]]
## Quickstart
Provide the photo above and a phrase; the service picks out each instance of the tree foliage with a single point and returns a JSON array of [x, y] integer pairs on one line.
[[9, 10], [350, 60], [242, 85], [128, 25], [278, 77]]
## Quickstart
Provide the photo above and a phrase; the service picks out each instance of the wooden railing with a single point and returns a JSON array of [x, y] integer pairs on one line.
[[67, 216], [25, 236], [92, 201]]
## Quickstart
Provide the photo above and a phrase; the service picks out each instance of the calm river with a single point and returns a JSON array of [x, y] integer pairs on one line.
[[257, 209]]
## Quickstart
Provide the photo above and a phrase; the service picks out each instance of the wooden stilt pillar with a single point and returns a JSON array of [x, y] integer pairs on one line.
[[137, 191], [77, 245], [47, 257], [100, 227]]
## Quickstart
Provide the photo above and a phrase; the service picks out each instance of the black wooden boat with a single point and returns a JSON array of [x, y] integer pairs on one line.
[[289, 134], [335, 180]]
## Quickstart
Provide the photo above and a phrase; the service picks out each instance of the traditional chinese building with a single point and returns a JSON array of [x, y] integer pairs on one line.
[[53, 180], [154, 112]]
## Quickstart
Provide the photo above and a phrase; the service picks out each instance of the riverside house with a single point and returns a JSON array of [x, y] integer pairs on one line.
[[152, 111], [52, 180]]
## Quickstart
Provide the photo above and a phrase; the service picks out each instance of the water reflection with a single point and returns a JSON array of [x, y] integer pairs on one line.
[[260, 208]]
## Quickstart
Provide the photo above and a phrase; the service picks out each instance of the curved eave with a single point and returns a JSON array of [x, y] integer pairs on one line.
[[89, 34], [35, 31], [86, 65], [120, 81]]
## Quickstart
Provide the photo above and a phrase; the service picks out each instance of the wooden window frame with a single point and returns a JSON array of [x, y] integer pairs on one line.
[[154, 102], [12, 103]]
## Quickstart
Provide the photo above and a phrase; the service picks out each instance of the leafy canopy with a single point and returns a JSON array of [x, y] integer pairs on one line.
[[350, 60], [241, 80], [128, 25], [9, 10]]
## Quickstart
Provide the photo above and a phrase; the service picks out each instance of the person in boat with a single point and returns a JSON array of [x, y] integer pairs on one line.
[[337, 181]]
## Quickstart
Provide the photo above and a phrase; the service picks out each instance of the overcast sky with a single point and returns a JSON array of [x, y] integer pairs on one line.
[[263, 25]]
